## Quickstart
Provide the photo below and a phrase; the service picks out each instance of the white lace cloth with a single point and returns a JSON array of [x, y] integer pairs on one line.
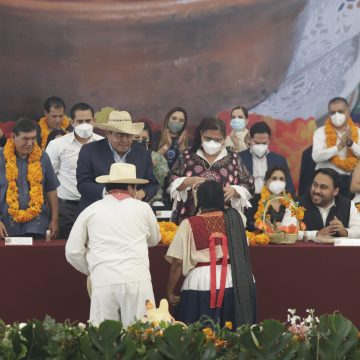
[[325, 63]]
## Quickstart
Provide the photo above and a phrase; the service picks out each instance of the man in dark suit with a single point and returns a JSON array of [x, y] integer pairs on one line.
[[307, 171], [96, 158], [258, 159]]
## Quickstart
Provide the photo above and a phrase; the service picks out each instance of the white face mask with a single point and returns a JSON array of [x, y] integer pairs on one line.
[[84, 130], [338, 119], [211, 147], [260, 149], [277, 186]]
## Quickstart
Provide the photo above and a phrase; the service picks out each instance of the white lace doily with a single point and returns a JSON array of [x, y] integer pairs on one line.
[[325, 63]]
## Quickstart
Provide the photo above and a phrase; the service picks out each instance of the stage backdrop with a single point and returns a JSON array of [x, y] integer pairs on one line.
[[283, 59]]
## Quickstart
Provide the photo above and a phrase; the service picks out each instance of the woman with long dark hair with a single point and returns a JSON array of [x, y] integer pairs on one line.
[[211, 251], [173, 137]]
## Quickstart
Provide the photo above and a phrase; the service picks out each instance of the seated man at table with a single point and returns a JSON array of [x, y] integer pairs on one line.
[[328, 214], [28, 198], [109, 241], [96, 158]]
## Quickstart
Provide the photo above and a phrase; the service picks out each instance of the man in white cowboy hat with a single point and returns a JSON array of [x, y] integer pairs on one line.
[[96, 158], [109, 241]]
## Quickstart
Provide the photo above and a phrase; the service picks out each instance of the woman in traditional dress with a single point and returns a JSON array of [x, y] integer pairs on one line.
[[211, 251], [208, 159]]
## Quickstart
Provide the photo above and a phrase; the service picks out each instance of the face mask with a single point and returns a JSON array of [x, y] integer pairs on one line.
[[277, 187], [211, 147], [143, 143], [338, 119], [259, 149], [84, 130], [238, 124], [175, 126]]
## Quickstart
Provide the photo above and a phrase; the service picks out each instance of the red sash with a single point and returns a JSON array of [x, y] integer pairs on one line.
[[224, 246], [120, 196]]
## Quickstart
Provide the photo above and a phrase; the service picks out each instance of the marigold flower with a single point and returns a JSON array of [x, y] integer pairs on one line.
[[348, 164], [167, 231], [44, 129], [229, 325], [34, 177]]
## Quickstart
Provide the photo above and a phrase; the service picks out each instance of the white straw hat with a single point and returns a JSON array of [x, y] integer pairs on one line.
[[120, 121], [121, 173]]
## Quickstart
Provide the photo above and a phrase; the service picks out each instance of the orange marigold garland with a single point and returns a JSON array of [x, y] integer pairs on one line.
[[167, 231], [44, 129], [34, 177], [265, 195], [296, 211], [257, 239], [348, 164]]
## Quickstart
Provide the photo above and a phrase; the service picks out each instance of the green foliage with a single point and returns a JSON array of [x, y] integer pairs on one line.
[[331, 337]]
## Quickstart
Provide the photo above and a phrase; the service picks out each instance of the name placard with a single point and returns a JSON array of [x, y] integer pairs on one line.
[[346, 242], [13, 240], [163, 214]]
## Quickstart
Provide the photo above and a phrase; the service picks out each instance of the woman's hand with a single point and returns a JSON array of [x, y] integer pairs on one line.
[[229, 192], [168, 140], [235, 139], [191, 181], [173, 299], [182, 141]]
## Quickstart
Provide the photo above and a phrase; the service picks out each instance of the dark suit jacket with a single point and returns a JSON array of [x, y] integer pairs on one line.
[[272, 160], [95, 159], [307, 171]]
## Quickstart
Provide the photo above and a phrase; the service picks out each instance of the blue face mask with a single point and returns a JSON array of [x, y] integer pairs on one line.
[[238, 124], [175, 126]]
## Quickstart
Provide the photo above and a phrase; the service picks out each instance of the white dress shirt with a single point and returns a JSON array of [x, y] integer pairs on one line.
[[322, 154], [354, 222], [110, 240], [260, 167], [64, 153]]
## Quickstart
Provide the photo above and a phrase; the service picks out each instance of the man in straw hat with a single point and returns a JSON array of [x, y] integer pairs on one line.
[[109, 241], [96, 158]]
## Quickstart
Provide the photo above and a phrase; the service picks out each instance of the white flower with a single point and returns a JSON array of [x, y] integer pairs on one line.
[[82, 326], [21, 325]]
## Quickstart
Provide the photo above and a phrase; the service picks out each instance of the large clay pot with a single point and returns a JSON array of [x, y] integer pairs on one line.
[[143, 56]]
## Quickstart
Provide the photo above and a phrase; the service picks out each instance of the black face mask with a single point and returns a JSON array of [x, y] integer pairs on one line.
[[142, 143]]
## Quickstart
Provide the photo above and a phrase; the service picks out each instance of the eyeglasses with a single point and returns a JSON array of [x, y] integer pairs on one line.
[[218, 140]]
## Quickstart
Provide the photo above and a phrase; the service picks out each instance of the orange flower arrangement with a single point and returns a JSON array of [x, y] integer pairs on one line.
[[257, 239], [34, 177], [348, 164], [167, 231], [44, 129], [296, 211]]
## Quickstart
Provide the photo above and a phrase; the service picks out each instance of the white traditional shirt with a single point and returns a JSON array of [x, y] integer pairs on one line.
[[110, 240], [354, 222], [64, 153], [322, 154]]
